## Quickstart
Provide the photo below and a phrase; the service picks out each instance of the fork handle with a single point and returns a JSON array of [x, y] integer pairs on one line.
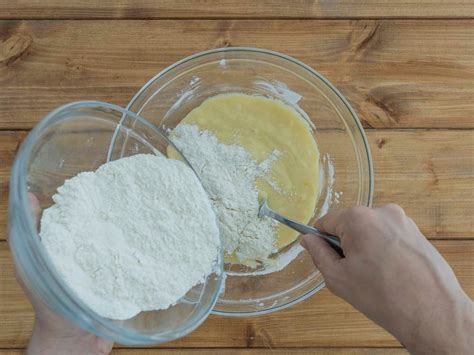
[[332, 240]]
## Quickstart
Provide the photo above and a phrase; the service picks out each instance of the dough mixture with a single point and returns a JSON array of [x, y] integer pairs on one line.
[[263, 126]]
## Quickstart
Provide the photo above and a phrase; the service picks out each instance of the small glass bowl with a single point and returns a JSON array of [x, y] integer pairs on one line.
[[74, 138], [345, 161]]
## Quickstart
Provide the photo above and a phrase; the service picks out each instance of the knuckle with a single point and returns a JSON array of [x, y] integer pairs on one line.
[[358, 217], [359, 211], [394, 208]]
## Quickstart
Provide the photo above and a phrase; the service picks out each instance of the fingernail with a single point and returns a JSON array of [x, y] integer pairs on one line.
[[303, 242]]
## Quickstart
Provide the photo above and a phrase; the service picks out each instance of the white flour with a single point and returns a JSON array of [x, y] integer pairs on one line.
[[228, 174], [135, 235]]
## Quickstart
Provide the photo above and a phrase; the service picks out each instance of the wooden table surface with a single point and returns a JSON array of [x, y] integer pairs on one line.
[[407, 69]]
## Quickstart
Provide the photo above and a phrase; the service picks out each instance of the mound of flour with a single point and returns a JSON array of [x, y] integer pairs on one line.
[[229, 174], [133, 236]]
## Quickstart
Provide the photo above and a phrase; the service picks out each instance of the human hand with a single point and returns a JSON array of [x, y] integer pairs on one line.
[[53, 334], [395, 276]]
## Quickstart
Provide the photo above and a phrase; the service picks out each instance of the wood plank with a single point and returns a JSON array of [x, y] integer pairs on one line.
[[9, 144], [396, 73], [288, 351], [429, 173], [321, 321], [56, 9]]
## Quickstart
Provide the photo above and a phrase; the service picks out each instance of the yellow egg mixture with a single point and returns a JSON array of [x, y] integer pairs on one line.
[[261, 125]]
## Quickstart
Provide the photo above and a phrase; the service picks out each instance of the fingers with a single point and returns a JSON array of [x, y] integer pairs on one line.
[[332, 223], [341, 223], [324, 257]]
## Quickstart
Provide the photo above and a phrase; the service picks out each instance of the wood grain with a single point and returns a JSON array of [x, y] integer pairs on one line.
[[288, 351], [56, 9], [430, 173], [9, 144], [263, 351], [396, 73], [321, 321]]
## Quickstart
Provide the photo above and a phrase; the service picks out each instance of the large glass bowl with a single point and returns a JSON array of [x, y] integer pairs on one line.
[[345, 162], [75, 138]]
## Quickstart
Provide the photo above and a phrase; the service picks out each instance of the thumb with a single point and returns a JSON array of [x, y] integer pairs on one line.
[[35, 208], [324, 257]]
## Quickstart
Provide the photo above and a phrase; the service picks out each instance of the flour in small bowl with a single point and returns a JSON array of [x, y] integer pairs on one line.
[[135, 235], [229, 175]]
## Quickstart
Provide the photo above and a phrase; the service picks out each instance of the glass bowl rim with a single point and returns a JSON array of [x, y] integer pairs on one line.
[[19, 193], [311, 72]]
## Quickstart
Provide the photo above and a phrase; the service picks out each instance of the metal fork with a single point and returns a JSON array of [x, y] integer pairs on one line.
[[333, 241]]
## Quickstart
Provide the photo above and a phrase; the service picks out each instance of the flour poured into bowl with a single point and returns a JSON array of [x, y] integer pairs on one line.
[[228, 174]]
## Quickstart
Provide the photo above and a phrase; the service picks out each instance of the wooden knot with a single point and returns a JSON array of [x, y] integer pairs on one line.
[[368, 35], [382, 103], [226, 43], [381, 142], [13, 48]]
